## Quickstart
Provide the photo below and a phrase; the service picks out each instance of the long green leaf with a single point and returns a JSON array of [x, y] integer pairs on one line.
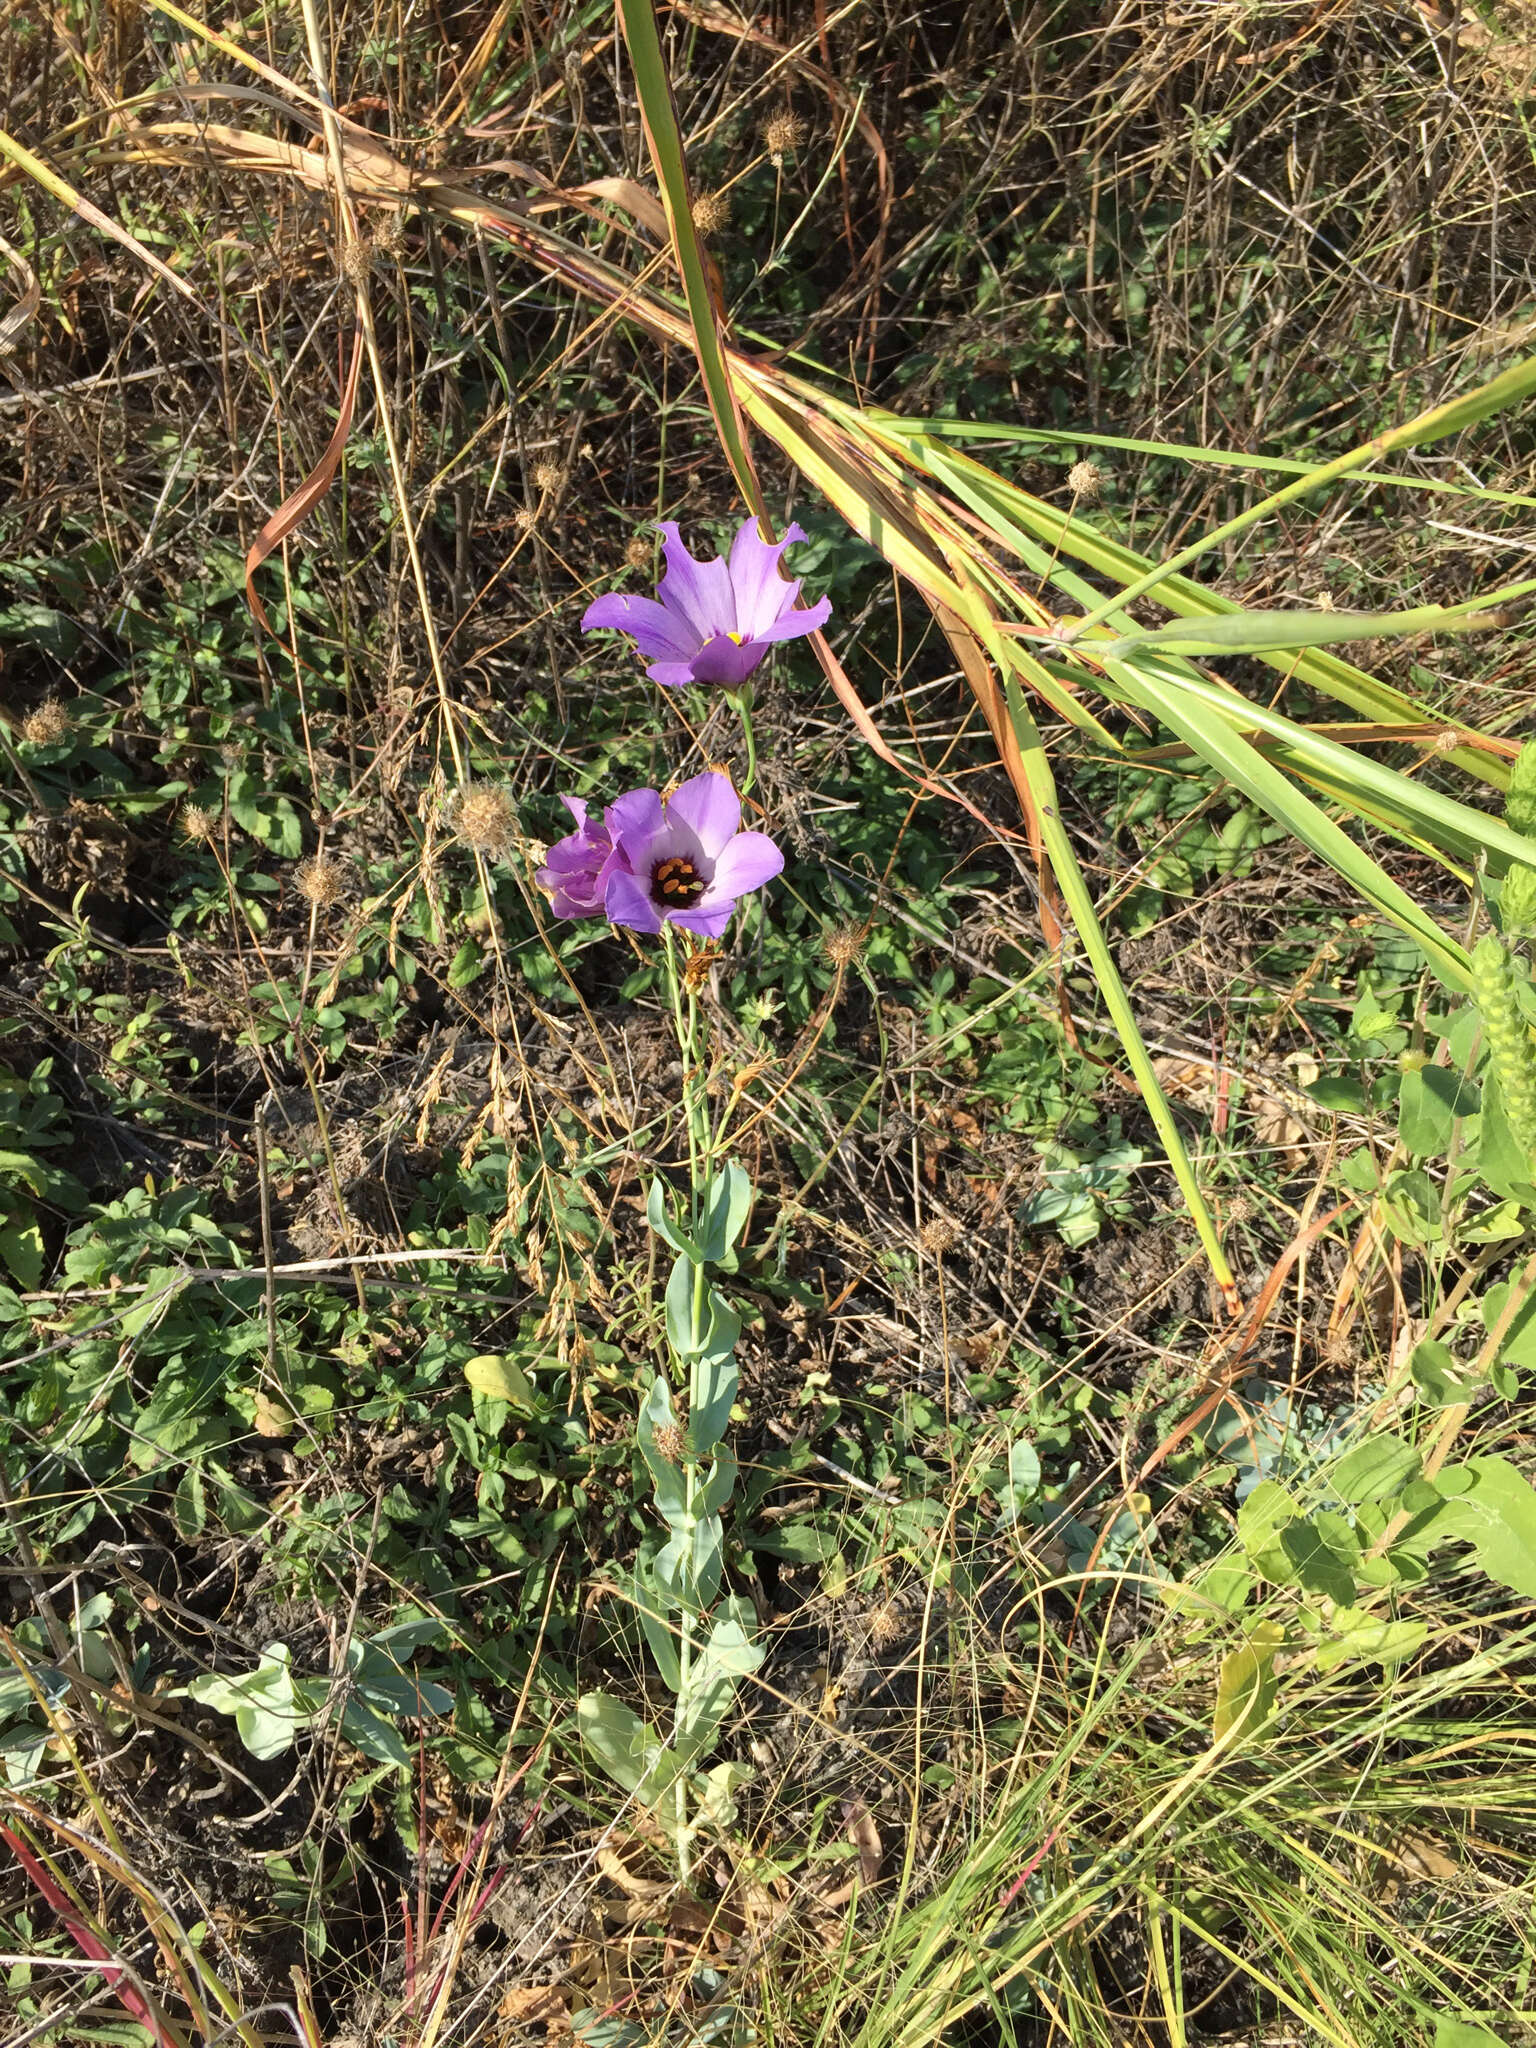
[[658, 111]]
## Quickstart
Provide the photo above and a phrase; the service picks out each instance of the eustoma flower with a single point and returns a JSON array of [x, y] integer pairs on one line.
[[579, 866], [712, 622], [681, 860]]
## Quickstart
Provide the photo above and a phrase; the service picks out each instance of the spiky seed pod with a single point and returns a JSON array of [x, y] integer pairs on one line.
[[887, 1625], [485, 819], [357, 261], [389, 236], [548, 476], [1511, 1049], [783, 133], [198, 825], [639, 553], [843, 944], [525, 519], [672, 1444], [1085, 480], [938, 1235], [48, 724], [320, 881], [711, 212]]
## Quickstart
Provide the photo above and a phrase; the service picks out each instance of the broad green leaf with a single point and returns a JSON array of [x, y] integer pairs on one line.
[[615, 1737], [1459, 2033], [660, 1220], [726, 1208], [1496, 1514], [1246, 1686], [1429, 1103], [1376, 1470], [728, 1656], [1362, 1637], [495, 1377]]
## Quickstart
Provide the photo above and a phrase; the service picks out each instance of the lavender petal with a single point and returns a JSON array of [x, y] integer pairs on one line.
[[627, 901], [659, 633], [762, 593], [750, 860], [710, 808], [698, 594]]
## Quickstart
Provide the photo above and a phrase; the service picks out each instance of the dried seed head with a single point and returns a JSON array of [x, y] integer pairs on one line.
[[1239, 1209], [198, 824], [357, 261], [320, 881], [1448, 739], [389, 235], [1337, 1350], [711, 211], [1085, 480], [843, 944], [485, 819], [47, 725], [548, 476], [672, 1443], [783, 133], [525, 519], [887, 1625], [938, 1235], [639, 553]]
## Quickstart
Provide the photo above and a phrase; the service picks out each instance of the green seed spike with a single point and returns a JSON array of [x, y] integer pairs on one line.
[[1511, 1049], [1517, 897], [1520, 804]]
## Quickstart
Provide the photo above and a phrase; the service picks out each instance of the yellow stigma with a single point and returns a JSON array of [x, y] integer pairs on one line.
[[737, 637]]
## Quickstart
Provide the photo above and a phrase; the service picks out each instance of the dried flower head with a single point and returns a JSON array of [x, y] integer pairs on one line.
[[484, 818], [47, 725], [1085, 480], [843, 944], [887, 1625], [1239, 1209], [548, 476], [357, 260], [639, 552], [783, 133], [672, 1443], [1337, 1350], [198, 825], [711, 212], [320, 881], [389, 235], [525, 519], [938, 1235]]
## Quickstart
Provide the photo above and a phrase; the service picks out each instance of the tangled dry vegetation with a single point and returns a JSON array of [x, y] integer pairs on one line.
[[352, 1113]]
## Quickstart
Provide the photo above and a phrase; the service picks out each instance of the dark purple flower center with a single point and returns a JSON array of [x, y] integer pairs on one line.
[[676, 883]]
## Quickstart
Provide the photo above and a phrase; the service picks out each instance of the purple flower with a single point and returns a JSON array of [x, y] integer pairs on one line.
[[684, 861], [579, 866], [716, 620]]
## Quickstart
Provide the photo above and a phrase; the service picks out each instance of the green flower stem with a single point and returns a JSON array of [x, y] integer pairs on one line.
[[741, 701]]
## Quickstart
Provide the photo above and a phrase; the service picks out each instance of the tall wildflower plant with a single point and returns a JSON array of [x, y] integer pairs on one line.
[[1040, 607], [674, 868]]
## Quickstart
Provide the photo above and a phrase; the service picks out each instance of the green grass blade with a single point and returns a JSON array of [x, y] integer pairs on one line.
[[1507, 389], [658, 111], [1272, 632], [1224, 749]]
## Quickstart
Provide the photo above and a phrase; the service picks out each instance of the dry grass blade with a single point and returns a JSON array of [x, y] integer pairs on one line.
[[296, 508]]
